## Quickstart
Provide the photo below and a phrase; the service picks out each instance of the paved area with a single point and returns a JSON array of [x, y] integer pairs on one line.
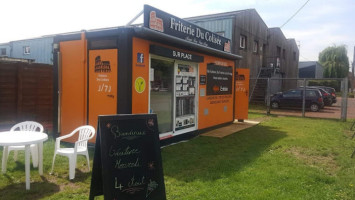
[[333, 112]]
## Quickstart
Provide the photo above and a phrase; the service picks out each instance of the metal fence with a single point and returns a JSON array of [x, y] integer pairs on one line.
[[274, 85]]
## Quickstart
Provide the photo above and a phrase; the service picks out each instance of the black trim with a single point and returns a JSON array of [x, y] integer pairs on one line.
[[103, 43], [104, 33], [68, 37], [178, 138], [55, 92], [124, 73], [175, 54]]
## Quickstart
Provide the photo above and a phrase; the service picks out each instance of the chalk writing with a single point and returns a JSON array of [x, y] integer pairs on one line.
[[121, 165], [117, 134], [152, 185], [122, 152], [136, 182], [118, 186]]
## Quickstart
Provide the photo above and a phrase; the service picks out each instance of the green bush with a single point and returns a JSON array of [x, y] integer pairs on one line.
[[329, 83], [351, 95]]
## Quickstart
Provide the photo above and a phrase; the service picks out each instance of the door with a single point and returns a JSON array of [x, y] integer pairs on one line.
[[241, 103], [185, 97], [102, 84], [291, 98], [162, 93]]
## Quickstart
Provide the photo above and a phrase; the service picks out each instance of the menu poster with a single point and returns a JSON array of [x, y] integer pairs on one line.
[[127, 161], [219, 80]]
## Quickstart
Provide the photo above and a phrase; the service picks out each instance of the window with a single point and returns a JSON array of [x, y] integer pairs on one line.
[[255, 46], [283, 53], [3, 52], [243, 41], [292, 93], [311, 93], [221, 33], [26, 50]]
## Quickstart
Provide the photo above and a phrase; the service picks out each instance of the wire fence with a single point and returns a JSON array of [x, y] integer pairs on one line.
[[263, 90]]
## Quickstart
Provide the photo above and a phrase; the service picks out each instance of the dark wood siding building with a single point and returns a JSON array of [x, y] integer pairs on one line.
[[263, 49], [247, 31]]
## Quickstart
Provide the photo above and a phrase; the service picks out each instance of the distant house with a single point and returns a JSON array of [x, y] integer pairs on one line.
[[37, 49], [310, 69]]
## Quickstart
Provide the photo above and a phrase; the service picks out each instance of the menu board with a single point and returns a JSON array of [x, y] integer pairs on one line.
[[219, 79], [127, 161]]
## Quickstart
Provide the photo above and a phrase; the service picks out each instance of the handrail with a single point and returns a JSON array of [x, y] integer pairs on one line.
[[252, 92]]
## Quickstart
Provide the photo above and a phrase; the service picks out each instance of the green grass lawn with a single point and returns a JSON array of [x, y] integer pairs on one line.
[[281, 158]]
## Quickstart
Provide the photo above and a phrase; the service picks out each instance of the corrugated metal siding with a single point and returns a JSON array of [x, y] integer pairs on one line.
[[307, 72], [40, 49], [217, 25]]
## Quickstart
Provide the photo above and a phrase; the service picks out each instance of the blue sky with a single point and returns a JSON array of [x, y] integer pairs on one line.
[[321, 23]]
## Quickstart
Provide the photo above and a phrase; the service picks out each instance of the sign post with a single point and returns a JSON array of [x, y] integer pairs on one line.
[[127, 161]]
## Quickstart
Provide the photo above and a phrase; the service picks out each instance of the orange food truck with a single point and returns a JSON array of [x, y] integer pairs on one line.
[[168, 66]]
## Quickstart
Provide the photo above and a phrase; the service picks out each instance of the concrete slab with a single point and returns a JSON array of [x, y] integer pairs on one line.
[[230, 129]]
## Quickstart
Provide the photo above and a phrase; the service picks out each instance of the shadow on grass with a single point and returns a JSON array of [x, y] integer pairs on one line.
[[38, 190], [208, 159], [81, 176]]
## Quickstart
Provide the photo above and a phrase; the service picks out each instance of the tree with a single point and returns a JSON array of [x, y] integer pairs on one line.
[[335, 61]]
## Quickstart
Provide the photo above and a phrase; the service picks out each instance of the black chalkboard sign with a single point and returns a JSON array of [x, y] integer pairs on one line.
[[127, 161]]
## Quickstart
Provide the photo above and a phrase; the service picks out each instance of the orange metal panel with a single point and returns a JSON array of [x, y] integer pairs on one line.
[[102, 83], [140, 76], [211, 113], [242, 94], [73, 85]]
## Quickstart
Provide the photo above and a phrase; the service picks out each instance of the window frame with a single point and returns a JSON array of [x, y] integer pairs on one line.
[[2, 50], [243, 42], [292, 94], [26, 50], [256, 47]]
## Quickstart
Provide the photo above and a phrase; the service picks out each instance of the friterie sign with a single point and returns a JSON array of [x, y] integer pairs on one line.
[[160, 21]]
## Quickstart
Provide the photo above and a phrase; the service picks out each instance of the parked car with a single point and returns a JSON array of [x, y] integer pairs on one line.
[[327, 97], [294, 98], [331, 91]]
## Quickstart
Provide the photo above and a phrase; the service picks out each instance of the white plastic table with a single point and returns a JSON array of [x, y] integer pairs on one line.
[[20, 138]]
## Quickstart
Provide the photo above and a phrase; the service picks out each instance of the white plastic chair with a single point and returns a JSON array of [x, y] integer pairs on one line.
[[80, 148], [26, 126]]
